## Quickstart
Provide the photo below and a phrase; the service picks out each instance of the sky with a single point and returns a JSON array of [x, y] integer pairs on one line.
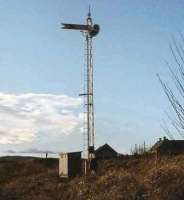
[[41, 72]]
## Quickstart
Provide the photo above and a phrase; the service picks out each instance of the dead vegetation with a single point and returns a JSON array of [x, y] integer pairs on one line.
[[131, 178]]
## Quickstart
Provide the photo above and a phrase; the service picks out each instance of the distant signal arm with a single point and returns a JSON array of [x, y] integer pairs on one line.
[[76, 27], [92, 29]]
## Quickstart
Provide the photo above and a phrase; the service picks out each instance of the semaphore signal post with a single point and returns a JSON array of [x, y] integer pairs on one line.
[[89, 31]]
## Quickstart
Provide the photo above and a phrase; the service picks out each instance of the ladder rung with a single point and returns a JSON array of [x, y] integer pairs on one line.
[[85, 94]]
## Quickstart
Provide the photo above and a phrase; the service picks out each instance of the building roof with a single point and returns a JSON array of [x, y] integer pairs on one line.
[[105, 147], [76, 152], [176, 143]]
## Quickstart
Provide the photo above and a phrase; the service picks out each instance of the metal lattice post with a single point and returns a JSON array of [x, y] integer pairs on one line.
[[89, 31], [90, 108]]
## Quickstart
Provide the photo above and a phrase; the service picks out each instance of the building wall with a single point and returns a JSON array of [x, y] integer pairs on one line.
[[70, 164], [105, 153], [63, 165], [74, 163]]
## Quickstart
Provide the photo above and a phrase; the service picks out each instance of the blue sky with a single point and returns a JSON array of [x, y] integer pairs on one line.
[[38, 59]]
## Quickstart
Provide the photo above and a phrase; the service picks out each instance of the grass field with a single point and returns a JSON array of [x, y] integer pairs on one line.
[[133, 178]]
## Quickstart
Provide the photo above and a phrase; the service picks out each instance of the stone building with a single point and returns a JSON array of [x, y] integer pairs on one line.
[[69, 164], [168, 147], [105, 152]]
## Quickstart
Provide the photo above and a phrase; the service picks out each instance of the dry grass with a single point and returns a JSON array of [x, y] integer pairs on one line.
[[133, 178]]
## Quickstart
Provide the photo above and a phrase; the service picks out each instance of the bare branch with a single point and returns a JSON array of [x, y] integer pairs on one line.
[[166, 130], [175, 95]]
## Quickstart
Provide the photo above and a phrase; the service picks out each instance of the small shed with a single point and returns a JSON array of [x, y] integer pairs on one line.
[[69, 164], [105, 152], [168, 147]]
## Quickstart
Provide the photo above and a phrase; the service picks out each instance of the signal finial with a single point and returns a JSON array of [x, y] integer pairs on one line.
[[89, 12]]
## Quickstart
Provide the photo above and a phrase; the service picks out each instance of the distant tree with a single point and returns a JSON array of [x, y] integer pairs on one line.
[[175, 93], [139, 149]]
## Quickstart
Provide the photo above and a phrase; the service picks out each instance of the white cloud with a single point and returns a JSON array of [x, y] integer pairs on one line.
[[23, 116]]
